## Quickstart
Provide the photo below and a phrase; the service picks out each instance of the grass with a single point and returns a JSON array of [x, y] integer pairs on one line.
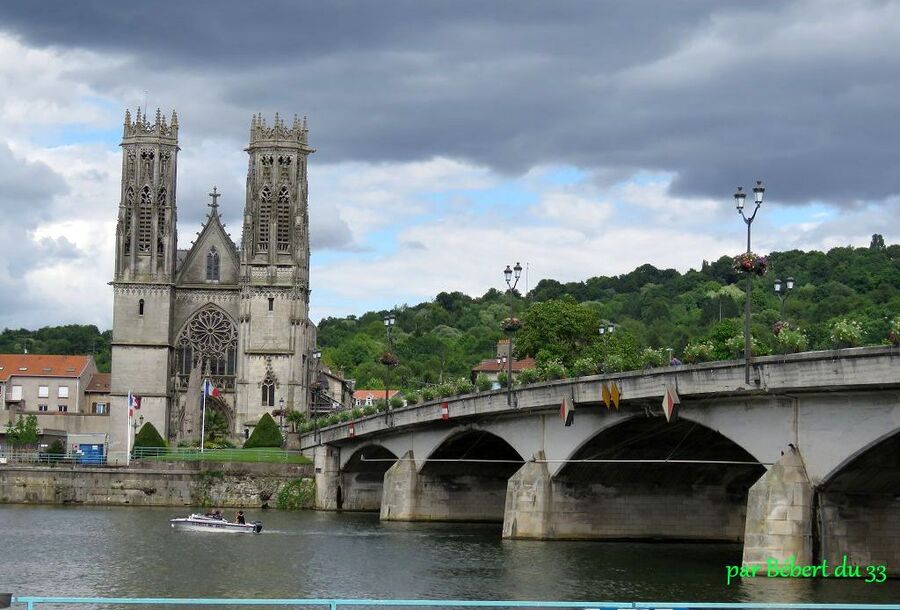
[[269, 456]]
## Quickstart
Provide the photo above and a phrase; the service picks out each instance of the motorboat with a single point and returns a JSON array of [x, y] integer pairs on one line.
[[203, 523]]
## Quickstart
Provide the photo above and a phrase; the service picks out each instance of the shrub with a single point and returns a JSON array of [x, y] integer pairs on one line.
[[396, 402], [735, 347], [501, 378], [483, 382], [411, 397], [550, 370], [357, 413], [296, 495], [148, 436], [894, 332], [345, 416], [380, 405], [584, 367], [526, 376], [651, 357], [700, 351], [846, 333], [265, 434], [54, 453], [370, 410], [790, 340], [463, 386], [428, 393], [446, 389]]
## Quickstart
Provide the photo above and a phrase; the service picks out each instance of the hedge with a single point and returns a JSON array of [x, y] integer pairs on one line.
[[265, 434]]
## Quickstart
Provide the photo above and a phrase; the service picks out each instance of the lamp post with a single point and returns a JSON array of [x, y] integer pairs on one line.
[[314, 385], [739, 198], [389, 321], [606, 330], [134, 428], [511, 283], [782, 290], [281, 414]]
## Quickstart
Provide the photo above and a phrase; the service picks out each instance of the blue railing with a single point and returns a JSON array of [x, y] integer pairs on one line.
[[333, 604]]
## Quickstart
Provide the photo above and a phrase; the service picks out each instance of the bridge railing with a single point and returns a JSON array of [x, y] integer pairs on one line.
[[32, 603]]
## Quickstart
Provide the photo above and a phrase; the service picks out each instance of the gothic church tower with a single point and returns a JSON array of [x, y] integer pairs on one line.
[[275, 335], [143, 283]]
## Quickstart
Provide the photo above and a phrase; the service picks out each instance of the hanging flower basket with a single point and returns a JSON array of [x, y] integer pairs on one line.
[[511, 325], [389, 359], [780, 326], [748, 262]]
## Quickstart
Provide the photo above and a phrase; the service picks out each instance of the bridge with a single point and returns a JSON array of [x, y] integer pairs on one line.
[[803, 461]]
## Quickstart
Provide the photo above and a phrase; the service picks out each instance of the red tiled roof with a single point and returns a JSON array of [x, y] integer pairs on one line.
[[492, 366], [98, 383], [375, 394], [41, 365]]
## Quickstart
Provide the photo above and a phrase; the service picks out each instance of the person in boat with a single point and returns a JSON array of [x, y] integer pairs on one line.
[[240, 518]]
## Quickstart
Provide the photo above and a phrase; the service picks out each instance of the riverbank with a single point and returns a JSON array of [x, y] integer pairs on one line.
[[221, 484]]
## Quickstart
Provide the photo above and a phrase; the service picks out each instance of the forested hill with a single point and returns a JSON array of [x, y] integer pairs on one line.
[[656, 308], [698, 314]]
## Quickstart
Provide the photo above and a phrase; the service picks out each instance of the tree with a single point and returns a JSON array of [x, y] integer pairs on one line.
[[265, 434], [560, 329], [148, 437], [24, 433], [877, 242], [295, 419]]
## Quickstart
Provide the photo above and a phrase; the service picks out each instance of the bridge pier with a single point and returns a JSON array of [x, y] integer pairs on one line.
[[409, 495], [865, 528], [780, 514], [327, 462], [529, 499]]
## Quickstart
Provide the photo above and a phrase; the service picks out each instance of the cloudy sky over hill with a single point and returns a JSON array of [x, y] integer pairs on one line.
[[453, 138]]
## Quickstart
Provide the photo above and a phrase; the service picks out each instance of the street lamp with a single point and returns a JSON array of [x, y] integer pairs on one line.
[[607, 329], [782, 290], [739, 198], [511, 284], [314, 384], [281, 414], [389, 321]]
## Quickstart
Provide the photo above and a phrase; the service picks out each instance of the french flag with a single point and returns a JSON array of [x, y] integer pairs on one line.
[[209, 389]]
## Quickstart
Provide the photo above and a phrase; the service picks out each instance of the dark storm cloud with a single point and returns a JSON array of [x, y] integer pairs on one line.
[[718, 93]]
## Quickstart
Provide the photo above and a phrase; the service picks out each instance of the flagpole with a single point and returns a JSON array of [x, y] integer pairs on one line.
[[203, 417], [128, 430]]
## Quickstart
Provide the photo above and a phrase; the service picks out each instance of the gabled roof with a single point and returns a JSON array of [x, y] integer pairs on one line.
[[376, 394], [41, 365], [98, 383], [213, 224], [492, 366]]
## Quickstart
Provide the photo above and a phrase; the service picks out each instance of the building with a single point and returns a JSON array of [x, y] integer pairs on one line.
[[60, 391], [367, 398], [237, 315], [333, 393], [492, 367]]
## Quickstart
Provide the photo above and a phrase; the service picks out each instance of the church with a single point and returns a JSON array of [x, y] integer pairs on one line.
[[237, 315]]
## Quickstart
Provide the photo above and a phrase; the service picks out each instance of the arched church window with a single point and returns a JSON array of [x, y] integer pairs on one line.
[[212, 264], [268, 392], [160, 221], [129, 211], [283, 218], [208, 340], [145, 220], [264, 220], [141, 307]]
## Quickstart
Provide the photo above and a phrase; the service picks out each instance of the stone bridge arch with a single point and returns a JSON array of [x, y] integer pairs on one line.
[[361, 481]]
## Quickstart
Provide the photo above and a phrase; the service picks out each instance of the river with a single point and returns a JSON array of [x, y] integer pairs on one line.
[[94, 551]]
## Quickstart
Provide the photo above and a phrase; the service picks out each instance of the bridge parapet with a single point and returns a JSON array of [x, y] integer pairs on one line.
[[822, 371]]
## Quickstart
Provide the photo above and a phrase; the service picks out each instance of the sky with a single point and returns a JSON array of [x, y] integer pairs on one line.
[[453, 138]]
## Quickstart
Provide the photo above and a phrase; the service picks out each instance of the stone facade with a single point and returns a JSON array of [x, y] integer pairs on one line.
[[237, 316]]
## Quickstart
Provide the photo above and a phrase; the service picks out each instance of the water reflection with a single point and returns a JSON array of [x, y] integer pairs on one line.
[[134, 552]]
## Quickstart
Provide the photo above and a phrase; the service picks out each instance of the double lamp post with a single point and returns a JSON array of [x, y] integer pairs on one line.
[[512, 279], [739, 198]]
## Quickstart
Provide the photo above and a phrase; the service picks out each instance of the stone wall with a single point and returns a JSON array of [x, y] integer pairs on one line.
[[865, 528], [230, 485]]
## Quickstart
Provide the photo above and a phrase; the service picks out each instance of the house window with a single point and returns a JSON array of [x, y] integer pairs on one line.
[[63, 391], [271, 304], [212, 264], [268, 393], [369, 400], [42, 408], [16, 393], [43, 391], [141, 307], [98, 408], [62, 408]]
